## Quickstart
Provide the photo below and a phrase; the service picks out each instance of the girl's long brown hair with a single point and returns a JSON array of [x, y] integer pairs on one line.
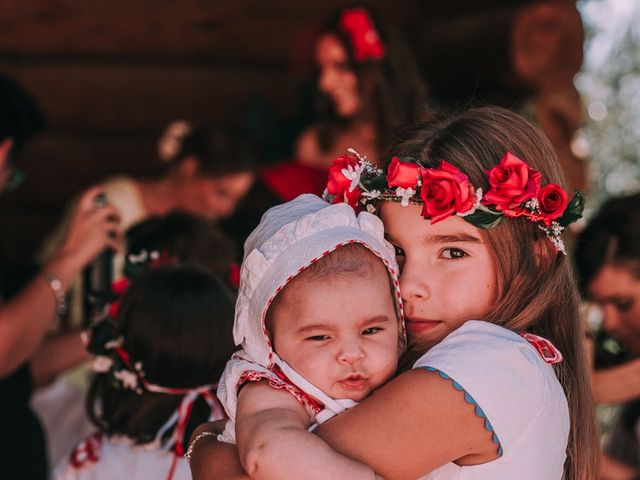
[[536, 286]]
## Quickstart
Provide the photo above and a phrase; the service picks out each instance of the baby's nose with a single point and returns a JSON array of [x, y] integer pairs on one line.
[[351, 352]]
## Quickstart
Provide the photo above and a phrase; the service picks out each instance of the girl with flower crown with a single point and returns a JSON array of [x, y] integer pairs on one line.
[[496, 382], [157, 362], [368, 84]]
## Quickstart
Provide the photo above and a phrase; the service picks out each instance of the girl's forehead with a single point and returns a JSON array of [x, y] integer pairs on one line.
[[402, 221]]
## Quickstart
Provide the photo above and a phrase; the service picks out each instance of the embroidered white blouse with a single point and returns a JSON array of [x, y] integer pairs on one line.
[[517, 393]]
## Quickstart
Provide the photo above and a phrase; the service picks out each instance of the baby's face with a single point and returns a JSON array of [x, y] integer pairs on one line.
[[340, 333]]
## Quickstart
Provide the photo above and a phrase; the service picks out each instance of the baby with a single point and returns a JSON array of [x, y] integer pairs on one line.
[[319, 318]]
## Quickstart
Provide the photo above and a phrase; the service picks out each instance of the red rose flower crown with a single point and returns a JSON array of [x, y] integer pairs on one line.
[[514, 191]]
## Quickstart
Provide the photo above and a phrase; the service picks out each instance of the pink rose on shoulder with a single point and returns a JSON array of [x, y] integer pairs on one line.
[[511, 183], [403, 174], [552, 202], [339, 184], [445, 191]]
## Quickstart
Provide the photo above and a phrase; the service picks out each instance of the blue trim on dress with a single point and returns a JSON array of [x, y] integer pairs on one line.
[[470, 400]]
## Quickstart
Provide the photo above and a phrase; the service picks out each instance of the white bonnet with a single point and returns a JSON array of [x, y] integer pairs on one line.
[[288, 239]]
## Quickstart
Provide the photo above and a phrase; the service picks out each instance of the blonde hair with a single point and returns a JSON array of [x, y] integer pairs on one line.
[[536, 286]]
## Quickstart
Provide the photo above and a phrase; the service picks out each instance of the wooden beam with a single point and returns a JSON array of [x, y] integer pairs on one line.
[[116, 98]]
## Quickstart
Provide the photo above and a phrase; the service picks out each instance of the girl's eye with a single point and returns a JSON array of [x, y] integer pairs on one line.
[[453, 253], [371, 330], [318, 338]]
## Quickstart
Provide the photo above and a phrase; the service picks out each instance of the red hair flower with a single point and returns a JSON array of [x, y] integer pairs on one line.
[[403, 174], [445, 191], [511, 183], [118, 287], [552, 202], [344, 176], [234, 275], [365, 41]]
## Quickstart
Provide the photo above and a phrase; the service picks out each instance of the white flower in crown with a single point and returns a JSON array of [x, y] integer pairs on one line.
[[405, 195], [371, 208], [353, 174], [532, 205], [129, 379], [553, 232], [373, 194], [101, 364]]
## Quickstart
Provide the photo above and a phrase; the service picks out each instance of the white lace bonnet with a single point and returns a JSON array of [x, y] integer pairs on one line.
[[289, 238]]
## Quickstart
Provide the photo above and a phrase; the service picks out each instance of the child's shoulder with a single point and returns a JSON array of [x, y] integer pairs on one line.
[[503, 375], [486, 349], [483, 337]]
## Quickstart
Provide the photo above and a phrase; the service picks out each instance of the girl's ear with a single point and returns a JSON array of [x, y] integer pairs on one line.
[[187, 168], [5, 148]]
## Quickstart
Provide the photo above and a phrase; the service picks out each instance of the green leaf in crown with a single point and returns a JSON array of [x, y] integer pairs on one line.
[[573, 211], [484, 218]]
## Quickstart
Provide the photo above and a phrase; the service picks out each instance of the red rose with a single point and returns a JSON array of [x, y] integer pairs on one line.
[[118, 287], [350, 197], [552, 202], [365, 41], [403, 174], [445, 191], [510, 184], [339, 184]]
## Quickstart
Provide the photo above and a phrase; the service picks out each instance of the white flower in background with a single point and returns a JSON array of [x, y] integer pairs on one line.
[[128, 379], [113, 344], [101, 364]]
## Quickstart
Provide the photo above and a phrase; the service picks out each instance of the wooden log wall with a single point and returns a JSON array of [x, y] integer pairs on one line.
[[110, 75]]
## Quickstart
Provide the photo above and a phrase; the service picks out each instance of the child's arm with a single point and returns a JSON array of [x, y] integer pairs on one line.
[[273, 442], [412, 425], [213, 460]]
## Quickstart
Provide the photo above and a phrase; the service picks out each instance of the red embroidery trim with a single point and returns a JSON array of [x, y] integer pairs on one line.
[[545, 348]]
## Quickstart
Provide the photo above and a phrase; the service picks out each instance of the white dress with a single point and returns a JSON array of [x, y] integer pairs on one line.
[[100, 458], [516, 392]]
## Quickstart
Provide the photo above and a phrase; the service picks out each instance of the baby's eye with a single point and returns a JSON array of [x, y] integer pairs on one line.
[[318, 338], [453, 253], [372, 330]]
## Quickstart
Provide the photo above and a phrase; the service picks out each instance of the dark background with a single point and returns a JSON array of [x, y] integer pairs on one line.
[[110, 75]]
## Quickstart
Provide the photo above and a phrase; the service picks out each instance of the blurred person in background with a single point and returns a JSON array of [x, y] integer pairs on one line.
[[175, 239], [366, 85], [607, 254], [29, 311]]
